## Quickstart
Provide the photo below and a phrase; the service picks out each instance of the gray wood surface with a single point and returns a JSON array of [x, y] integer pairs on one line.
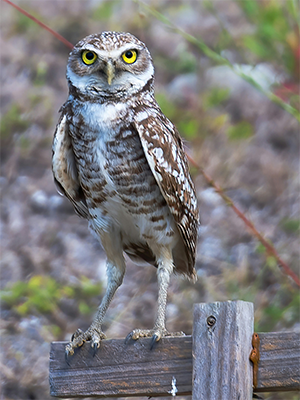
[[222, 335], [132, 369], [279, 367], [120, 369]]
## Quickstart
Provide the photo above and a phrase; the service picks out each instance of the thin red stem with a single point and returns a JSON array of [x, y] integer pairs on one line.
[[57, 35], [269, 247]]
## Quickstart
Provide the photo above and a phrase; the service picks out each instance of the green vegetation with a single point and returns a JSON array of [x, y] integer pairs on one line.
[[24, 25], [281, 312], [219, 122], [265, 43], [242, 130], [13, 121], [41, 72], [215, 97], [291, 225], [272, 38], [103, 11], [43, 295]]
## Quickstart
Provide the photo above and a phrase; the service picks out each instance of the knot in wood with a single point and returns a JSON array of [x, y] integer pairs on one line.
[[211, 320]]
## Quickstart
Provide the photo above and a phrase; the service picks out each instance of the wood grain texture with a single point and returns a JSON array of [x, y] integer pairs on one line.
[[222, 336], [279, 367], [120, 369], [132, 369]]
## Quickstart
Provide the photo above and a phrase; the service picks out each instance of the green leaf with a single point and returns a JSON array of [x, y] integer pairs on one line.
[[104, 11], [260, 248], [55, 330], [290, 225], [67, 291], [189, 129], [256, 46], [13, 121], [89, 288], [215, 97], [24, 308], [272, 262], [14, 293], [167, 106], [84, 308], [242, 130]]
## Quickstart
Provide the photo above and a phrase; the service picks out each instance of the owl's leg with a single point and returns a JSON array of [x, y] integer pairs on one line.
[[164, 271], [115, 273]]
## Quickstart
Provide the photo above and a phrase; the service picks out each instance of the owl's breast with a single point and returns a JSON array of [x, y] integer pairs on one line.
[[106, 146], [117, 181]]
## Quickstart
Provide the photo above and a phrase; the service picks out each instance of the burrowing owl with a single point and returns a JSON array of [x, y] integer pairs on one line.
[[121, 163]]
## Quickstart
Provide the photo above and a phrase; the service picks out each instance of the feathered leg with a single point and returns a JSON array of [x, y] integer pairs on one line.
[[164, 271], [115, 273]]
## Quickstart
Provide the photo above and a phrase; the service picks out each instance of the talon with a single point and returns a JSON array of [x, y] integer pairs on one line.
[[95, 346], [128, 338], [67, 357], [69, 350], [79, 338], [154, 339]]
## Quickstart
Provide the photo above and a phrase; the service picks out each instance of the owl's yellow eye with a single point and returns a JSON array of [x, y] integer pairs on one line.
[[129, 56], [88, 57]]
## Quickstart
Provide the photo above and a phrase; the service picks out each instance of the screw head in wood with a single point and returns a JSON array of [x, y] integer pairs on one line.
[[211, 320]]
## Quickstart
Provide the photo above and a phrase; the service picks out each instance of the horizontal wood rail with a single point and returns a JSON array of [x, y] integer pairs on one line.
[[213, 364]]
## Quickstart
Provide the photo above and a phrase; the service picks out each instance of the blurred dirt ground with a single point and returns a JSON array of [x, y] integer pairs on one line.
[[52, 268]]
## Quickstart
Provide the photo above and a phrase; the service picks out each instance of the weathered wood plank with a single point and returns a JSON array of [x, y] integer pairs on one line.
[[120, 369], [279, 367], [133, 370], [222, 335]]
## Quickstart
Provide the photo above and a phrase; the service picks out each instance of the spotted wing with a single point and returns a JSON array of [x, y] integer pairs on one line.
[[64, 168], [164, 152]]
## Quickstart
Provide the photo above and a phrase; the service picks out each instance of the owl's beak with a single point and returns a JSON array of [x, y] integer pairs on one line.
[[110, 71]]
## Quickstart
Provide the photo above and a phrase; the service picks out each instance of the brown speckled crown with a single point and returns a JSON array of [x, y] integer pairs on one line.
[[109, 40]]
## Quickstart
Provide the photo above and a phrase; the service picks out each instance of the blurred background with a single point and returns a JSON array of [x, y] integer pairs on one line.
[[52, 269]]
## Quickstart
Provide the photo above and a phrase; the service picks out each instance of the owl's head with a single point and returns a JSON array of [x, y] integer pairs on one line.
[[110, 63]]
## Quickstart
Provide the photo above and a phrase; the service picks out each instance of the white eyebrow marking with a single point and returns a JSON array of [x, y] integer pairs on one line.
[[104, 54]]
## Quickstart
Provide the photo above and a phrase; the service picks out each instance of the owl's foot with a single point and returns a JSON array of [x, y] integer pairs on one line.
[[155, 333], [93, 335]]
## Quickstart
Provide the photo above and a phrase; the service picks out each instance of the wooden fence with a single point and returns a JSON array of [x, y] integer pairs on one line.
[[211, 364]]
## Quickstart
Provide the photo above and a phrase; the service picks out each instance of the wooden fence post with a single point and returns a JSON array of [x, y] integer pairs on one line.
[[217, 355], [222, 336]]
